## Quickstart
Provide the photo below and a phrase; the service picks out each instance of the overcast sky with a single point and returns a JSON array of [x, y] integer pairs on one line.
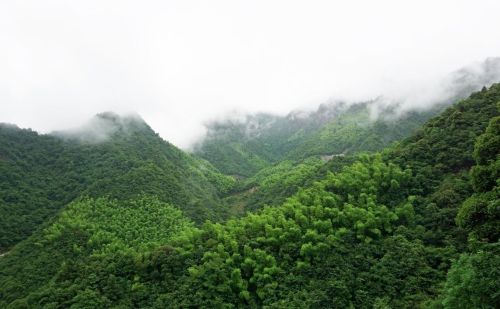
[[179, 63]]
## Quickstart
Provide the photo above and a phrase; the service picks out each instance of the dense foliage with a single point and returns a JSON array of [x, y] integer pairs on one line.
[[281, 255], [41, 173], [272, 185], [31, 188], [415, 226], [303, 253], [242, 148], [85, 233], [473, 279]]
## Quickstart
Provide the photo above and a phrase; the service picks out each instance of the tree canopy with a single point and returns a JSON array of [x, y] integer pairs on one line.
[[413, 226]]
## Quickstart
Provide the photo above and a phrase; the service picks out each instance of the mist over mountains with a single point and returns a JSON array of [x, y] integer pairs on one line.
[[328, 209], [250, 154], [243, 145], [103, 126], [455, 86]]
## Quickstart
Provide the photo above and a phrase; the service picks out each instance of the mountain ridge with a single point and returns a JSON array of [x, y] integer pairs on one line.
[[42, 173], [245, 145], [413, 225], [377, 231]]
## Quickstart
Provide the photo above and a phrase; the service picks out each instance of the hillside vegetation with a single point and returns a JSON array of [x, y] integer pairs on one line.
[[414, 226], [39, 174], [242, 148]]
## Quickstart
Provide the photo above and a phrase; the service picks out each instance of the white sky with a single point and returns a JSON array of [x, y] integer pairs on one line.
[[179, 63]]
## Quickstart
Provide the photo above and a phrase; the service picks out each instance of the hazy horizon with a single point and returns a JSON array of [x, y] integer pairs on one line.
[[180, 64]]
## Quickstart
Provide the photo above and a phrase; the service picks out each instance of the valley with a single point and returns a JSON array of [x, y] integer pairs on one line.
[[325, 210]]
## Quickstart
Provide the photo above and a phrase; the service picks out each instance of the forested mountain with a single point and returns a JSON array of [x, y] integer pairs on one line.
[[415, 225], [332, 133], [118, 157], [243, 147]]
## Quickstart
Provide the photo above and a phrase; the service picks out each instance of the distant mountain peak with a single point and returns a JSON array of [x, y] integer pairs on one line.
[[6, 125], [115, 117], [105, 125], [473, 77]]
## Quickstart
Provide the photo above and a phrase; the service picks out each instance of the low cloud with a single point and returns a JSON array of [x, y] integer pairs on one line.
[[103, 126], [181, 63], [396, 103]]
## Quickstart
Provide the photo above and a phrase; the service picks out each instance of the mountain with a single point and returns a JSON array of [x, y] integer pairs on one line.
[[113, 156], [273, 157], [242, 147], [415, 225], [466, 80]]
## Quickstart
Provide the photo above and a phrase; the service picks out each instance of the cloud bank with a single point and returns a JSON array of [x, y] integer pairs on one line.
[[180, 63]]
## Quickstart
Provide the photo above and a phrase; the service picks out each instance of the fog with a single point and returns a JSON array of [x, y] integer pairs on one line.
[[103, 126], [181, 63]]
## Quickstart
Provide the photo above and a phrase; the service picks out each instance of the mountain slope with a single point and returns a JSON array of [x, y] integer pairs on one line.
[[244, 147], [84, 235], [378, 233], [114, 156], [357, 238]]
